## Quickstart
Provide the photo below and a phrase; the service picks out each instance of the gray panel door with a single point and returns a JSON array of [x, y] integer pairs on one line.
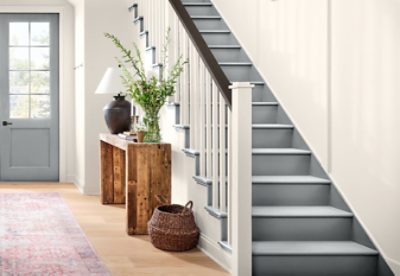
[[29, 88]]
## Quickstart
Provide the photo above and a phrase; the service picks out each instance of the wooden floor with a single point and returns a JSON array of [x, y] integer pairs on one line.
[[122, 254]]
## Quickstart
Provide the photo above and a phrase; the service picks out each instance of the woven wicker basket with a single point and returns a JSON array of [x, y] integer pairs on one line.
[[172, 228]]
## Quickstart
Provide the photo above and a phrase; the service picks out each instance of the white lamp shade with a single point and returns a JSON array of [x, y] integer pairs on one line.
[[111, 83]]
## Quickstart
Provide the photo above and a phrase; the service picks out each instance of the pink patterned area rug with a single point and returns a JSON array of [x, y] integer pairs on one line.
[[39, 236]]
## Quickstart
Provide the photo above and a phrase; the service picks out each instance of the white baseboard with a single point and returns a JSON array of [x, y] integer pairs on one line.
[[215, 252], [69, 179], [78, 185]]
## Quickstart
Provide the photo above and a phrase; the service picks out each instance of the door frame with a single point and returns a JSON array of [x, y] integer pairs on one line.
[[66, 83]]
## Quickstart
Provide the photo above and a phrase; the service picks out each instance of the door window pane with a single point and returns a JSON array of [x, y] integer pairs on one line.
[[19, 82], [19, 58], [19, 106], [40, 106], [19, 34], [29, 70], [40, 82], [40, 34], [40, 58]]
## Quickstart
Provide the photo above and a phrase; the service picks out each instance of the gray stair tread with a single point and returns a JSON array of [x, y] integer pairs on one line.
[[235, 63], [292, 179], [264, 103], [272, 126], [224, 47], [311, 248], [215, 31], [206, 17], [280, 151], [299, 211], [197, 3]]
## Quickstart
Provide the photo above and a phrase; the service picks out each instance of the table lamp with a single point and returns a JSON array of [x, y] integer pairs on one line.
[[117, 113]]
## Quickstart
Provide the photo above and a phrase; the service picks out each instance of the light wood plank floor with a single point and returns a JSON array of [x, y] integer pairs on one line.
[[122, 254]]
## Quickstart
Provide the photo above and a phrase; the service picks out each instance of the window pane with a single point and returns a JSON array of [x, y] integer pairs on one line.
[[40, 58], [40, 82], [40, 34], [19, 82], [19, 58], [19, 34], [40, 106], [19, 106]]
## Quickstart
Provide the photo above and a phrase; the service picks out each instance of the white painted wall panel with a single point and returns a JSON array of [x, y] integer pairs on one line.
[[95, 53], [365, 114]]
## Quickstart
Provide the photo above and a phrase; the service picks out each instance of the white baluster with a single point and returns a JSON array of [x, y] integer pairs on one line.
[[202, 123], [215, 122], [222, 153], [208, 92]]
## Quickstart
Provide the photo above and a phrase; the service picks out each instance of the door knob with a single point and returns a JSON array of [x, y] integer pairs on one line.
[[5, 123]]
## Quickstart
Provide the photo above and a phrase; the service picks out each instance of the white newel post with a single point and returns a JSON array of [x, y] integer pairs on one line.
[[241, 205]]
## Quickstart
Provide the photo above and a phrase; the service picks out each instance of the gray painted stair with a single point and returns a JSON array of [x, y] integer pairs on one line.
[[301, 225], [273, 258]]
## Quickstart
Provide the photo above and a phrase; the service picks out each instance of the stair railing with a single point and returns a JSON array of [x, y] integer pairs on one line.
[[217, 115]]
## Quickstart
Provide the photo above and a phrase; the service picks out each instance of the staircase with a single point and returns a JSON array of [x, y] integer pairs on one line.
[[301, 226]]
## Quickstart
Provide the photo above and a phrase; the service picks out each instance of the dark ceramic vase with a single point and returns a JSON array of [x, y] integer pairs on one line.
[[118, 115]]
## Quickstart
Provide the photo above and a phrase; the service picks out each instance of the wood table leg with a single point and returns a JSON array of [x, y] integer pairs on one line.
[[131, 186], [119, 175], [107, 173]]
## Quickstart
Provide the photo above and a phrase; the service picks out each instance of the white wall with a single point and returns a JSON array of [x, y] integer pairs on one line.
[[95, 53], [365, 114], [334, 65]]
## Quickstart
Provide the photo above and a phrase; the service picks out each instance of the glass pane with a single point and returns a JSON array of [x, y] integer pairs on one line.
[[19, 58], [40, 58], [19, 82], [40, 34], [19, 106], [40, 106], [19, 34], [40, 82]]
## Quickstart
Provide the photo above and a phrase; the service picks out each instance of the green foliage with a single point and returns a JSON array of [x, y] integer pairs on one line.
[[151, 93]]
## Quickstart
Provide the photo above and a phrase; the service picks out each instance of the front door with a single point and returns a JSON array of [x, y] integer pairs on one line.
[[29, 88]]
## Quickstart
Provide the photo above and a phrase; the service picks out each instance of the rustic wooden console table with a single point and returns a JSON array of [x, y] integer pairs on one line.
[[134, 174]]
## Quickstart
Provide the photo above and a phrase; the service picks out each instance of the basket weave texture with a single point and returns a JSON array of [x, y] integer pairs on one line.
[[173, 228]]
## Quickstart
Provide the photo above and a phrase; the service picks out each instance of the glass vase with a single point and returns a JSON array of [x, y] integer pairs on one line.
[[151, 121]]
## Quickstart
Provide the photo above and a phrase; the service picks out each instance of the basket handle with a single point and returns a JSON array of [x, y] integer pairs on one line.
[[161, 199], [188, 207]]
